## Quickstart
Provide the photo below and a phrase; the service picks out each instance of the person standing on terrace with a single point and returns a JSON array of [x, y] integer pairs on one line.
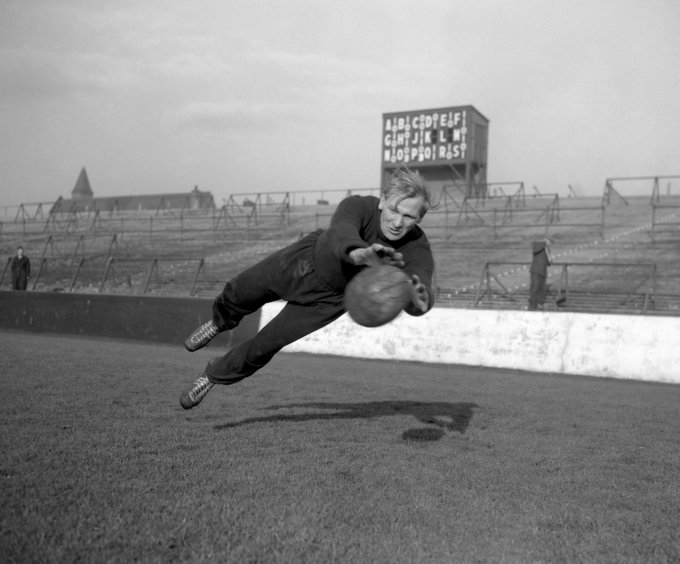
[[539, 273], [311, 275], [21, 270]]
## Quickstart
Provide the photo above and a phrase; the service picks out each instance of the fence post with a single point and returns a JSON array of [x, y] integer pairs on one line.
[[655, 191], [106, 274], [43, 262], [114, 241], [81, 240], [7, 266], [154, 265], [198, 272], [564, 281], [75, 274], [484, 282]]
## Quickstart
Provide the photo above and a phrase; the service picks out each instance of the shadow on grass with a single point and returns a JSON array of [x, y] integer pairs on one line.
[[443, 416]]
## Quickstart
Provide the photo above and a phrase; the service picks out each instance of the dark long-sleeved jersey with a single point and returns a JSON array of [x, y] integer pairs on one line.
[[356, 224]]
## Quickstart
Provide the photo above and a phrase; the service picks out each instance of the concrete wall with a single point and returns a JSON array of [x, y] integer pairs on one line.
[[155, 319], [618, 346]]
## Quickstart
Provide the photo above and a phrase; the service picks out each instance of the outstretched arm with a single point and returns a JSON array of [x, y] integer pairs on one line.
[[375, 255]]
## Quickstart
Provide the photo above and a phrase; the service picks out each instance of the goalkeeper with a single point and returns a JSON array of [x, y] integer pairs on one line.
[[311, 275]]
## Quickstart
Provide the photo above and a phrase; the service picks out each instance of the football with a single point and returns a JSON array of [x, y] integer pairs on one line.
[[377, 295]]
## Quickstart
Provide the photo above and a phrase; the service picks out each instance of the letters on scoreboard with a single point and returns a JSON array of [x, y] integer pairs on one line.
[[434, 136]]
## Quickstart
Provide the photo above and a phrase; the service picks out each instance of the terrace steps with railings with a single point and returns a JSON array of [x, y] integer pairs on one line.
[[578, 302], [463, 243]]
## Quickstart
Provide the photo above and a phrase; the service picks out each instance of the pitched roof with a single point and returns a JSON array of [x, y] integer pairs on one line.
[[82, 187]]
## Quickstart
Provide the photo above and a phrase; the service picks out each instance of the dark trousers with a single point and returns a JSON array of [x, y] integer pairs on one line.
[[289, 275], [19, 280], [537, 289]]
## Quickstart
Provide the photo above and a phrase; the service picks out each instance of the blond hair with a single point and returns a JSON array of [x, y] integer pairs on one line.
[[409, 183]]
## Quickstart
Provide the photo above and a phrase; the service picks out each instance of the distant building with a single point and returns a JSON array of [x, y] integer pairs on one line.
[[83, 200], [82, 191]]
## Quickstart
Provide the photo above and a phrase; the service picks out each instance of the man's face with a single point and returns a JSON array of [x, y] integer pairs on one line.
[[398, 216], [20, 253]]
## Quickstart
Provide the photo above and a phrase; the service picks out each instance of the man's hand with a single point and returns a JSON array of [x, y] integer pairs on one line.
[[419, 296], [375, 255]]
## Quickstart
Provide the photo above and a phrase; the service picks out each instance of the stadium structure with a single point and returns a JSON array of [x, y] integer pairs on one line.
[[617, 252]]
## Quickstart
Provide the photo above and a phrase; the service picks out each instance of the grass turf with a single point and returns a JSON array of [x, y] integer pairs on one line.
[[326, 459]]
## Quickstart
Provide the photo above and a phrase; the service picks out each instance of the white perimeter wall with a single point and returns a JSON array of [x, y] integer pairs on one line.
[[617, 346]]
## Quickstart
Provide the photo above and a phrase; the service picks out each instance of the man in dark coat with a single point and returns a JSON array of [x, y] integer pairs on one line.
[[21, 270], [539, 273]]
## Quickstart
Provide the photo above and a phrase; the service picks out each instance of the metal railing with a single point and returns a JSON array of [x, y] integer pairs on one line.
[[643, 286], [145, 271], [153, 268]]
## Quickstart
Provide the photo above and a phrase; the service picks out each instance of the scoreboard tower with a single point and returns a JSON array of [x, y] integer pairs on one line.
[[448, 146]]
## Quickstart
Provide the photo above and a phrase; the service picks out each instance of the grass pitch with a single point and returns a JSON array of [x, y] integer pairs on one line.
[[326, 459]]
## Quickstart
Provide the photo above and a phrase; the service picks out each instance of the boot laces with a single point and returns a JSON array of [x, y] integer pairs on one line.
[[201, 387], [207, 331]]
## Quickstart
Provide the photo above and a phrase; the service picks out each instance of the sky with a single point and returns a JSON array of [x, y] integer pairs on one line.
[[159, 96]]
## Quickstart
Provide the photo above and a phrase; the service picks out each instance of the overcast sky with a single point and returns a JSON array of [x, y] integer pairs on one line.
[[157, 96]]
